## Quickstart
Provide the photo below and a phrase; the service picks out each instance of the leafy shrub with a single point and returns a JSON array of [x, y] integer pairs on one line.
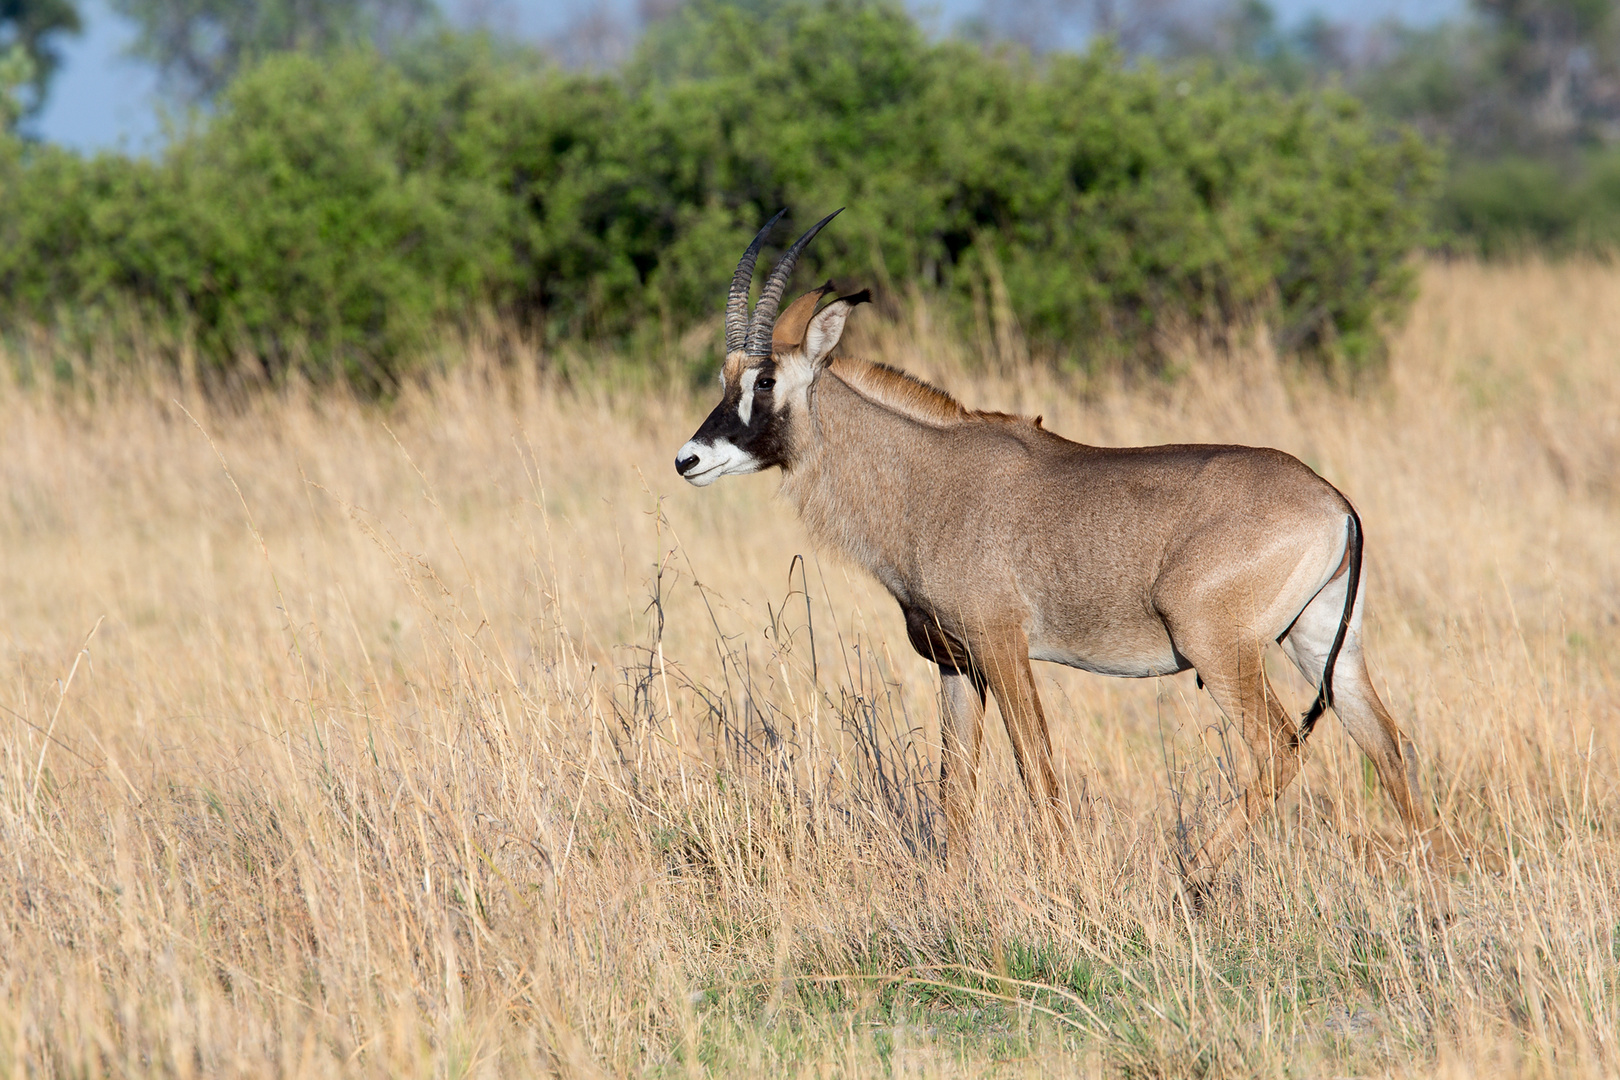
[[1515, 204], [335, 212]]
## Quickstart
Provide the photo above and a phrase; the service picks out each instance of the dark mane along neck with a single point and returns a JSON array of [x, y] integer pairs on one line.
[[912, 397]]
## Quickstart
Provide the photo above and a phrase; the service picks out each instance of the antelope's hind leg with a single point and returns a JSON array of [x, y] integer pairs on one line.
[[1233, 671], [1355, 702]]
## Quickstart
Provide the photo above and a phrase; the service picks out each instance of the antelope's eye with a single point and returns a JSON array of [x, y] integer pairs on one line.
[[765, 384]]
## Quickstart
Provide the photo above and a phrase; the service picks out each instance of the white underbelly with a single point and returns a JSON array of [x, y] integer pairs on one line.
[[1127, 667]]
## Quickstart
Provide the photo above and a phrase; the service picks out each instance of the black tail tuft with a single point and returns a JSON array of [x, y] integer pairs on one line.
[[1324, 695]]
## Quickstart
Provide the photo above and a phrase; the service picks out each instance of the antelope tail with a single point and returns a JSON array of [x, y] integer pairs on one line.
[[1324, 695]]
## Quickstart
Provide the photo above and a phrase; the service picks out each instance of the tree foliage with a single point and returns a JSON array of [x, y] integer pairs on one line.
[[1527, 95], [336, 212], [30, 31], [198, 46], [1524, 94]]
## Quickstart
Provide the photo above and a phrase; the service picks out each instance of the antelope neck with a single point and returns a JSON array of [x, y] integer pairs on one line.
[[855, 467]]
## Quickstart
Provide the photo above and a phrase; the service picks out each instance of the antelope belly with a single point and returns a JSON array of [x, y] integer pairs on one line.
[[1135, 664]]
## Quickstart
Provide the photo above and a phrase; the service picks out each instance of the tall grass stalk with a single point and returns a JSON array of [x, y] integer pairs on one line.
[[457, 737]]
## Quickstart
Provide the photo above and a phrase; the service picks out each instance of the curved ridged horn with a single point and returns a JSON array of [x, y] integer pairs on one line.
[[759, 327], [737, 302]]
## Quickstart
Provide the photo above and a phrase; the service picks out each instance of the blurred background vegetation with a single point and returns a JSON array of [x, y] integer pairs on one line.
[[358, 178]]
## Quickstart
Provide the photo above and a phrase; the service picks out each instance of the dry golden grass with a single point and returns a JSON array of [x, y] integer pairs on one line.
[[461, 738]]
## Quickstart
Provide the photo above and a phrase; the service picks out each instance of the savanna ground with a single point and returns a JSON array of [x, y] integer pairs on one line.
[[460, 737]]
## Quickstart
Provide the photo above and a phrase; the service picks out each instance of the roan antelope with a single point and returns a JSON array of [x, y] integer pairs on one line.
[[1004, 542]]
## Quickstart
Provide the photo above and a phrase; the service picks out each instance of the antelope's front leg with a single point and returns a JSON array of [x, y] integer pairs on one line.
[[1006, 668], [961, 726]]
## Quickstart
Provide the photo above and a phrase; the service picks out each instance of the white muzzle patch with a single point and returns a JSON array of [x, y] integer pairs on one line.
[[715, 460]]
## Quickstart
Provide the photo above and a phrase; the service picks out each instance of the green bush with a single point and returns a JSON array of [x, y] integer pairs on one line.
[[332, 212], [1515, 204], [336, 212]]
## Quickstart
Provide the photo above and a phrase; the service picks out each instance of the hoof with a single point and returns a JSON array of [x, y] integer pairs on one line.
[[1196, 890]]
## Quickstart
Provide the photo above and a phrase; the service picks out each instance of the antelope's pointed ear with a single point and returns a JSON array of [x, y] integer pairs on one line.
[[821, 337], [788, 333]]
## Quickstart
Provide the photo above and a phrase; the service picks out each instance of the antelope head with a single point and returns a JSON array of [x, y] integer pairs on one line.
[[771, 365]]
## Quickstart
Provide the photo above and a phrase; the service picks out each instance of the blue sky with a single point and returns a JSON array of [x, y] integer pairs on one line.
[[101, 100]]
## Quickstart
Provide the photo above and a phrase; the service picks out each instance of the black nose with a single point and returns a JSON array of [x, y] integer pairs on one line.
[[684, 465]]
